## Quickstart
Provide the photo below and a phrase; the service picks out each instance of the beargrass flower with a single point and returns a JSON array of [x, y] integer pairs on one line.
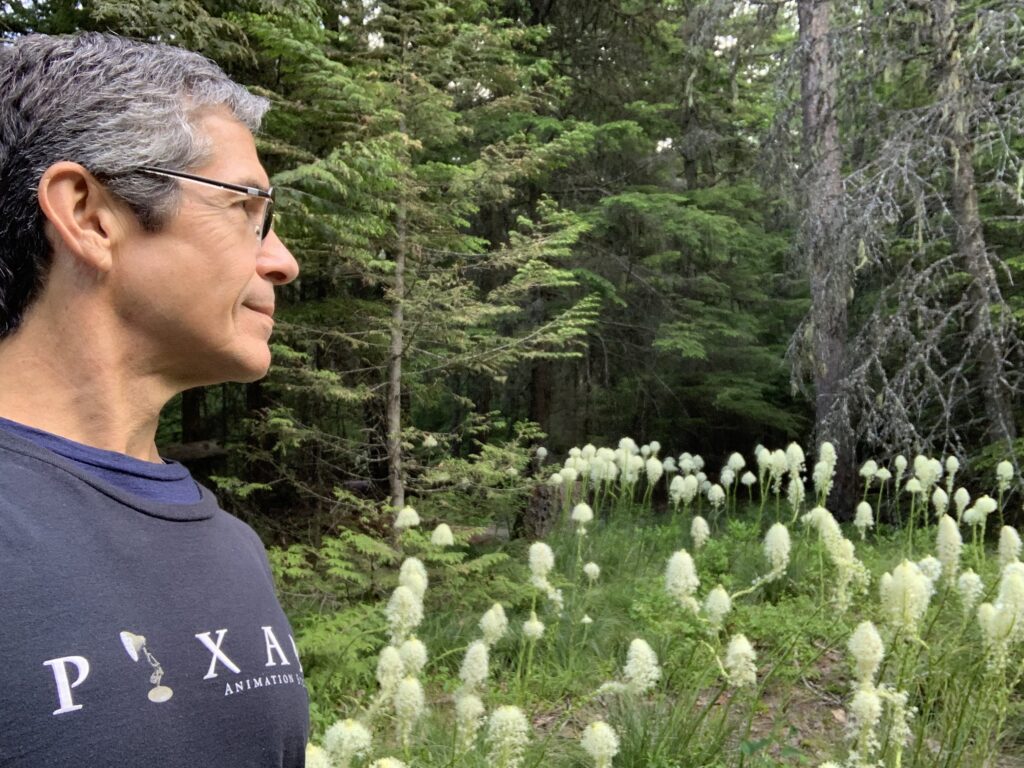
[[316, 757], [699, 532], [1009, 546], [669, 465], [631, 470], [727, 477], [628, 446], [901, 463], [740, 662], [970, 588], [716, 496], [469, 716], [932, 568], [533, 627], [541, 560], [409, 703], [864, 519], [748, 479], [654, 470], [822, 478], [600, 741], [777, 547], [586, 620], [868, 469], [430, 441], [763, 457], [952, 467], [442, 536], [736, 462], [979, 512], [681, 580], [404, 613], [948, 545], [1002, 623], [940, 500], [569, 476], [407, 518], [961, 498], [987, 504], [778, 466], [641, 672], [913, 486], [542, 453], [927, 471], [865, 714], [508, 733], [592, 571], [388, 762], [717, 606], [827, 453], [795, 459], [795, 493], [974, 516], [865, 645], [691, 486], [849, 570], [494, 624], [413, 574], [556, 480], [346, 741], [390, 669], [582, 515], [675, 489], [1004, 475], [414, 656], [475, 666], [904, 595], [686, 463], [883, 475]]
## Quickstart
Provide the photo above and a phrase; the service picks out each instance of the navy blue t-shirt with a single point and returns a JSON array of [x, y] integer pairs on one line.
[[169, 482], [136, 632]]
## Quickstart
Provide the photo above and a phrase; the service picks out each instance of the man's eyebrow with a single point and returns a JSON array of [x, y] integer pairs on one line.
[[251, 181]]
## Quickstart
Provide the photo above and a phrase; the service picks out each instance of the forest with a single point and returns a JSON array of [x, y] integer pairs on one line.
[[579, 279]]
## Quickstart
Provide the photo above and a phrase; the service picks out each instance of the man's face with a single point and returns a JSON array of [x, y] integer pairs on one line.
[[198, 296]]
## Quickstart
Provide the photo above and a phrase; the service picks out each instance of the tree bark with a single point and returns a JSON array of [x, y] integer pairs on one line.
[[394, 401], [970, 238], [829, 260], [192, 414]]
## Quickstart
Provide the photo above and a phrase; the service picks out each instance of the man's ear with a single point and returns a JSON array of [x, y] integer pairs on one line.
[[81, 213]]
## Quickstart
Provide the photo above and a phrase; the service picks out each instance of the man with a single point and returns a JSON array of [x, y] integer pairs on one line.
[[138, 623]]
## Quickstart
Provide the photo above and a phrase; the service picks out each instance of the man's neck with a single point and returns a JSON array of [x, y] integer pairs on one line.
[[69, 379]]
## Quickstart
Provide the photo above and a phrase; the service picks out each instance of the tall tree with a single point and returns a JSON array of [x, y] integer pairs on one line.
[[955, 99], [823, 242]]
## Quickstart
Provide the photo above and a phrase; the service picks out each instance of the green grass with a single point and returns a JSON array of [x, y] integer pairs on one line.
[[965, 714]]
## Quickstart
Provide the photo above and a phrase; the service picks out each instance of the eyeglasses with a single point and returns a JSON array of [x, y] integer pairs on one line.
[[265, 197]]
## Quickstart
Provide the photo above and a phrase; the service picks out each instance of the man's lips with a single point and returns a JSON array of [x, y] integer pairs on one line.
[[263, 309]]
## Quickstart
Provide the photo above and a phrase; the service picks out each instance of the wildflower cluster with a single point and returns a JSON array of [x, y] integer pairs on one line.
[[851, 575]]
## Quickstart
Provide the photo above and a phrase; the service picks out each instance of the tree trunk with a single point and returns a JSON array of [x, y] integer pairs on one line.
[[192, 415], [394, 402], [970, 238], [828, 258]]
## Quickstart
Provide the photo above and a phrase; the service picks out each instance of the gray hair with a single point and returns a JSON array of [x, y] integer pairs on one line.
[[111, 105]]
